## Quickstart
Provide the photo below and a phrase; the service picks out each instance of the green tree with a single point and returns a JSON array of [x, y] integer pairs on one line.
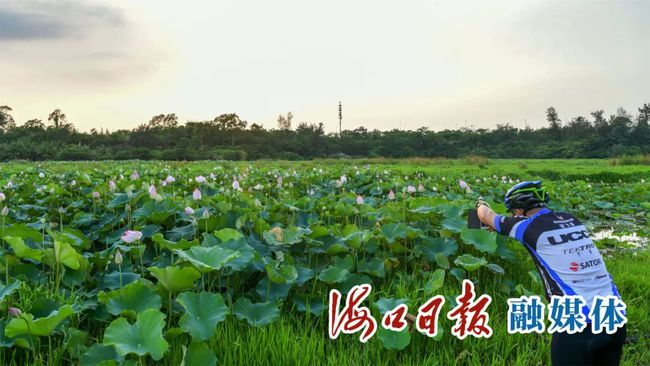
[[6, 119], [284, 122]]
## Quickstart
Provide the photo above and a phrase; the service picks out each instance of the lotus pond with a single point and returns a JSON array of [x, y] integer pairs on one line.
[[172, 263]]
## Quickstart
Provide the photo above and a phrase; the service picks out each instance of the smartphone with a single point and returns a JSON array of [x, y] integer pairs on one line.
[[473, 221]]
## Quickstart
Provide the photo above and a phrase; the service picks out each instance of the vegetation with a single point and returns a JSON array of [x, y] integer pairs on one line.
[[228, 137], [162, 262]]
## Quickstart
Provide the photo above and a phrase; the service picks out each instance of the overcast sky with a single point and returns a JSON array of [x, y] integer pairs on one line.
[[114, 64]]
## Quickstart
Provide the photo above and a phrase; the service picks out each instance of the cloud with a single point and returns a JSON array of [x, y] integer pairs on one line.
[[27, 20]]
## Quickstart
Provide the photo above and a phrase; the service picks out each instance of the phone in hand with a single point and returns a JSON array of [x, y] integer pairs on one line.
[[473, 222]]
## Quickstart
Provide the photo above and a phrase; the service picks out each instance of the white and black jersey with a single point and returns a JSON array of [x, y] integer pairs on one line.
[[567, 259]]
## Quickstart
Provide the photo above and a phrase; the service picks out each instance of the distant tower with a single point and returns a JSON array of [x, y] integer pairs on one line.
[[340, 117]]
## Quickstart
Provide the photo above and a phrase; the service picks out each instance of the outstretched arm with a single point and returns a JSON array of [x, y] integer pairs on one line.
[[485, 213]]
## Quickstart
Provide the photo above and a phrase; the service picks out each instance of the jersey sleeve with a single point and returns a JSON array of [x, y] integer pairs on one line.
[[505, 224]]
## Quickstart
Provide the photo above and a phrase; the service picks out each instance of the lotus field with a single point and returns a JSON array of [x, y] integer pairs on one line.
[[231, 263]]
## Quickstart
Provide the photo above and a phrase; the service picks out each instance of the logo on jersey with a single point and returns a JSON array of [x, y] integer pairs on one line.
[[562, 238], [574, 266]]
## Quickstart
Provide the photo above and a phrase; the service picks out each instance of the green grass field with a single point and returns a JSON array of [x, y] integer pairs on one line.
[[60, 241]]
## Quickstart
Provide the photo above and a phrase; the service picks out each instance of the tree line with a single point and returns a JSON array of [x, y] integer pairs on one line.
[[229, 137]]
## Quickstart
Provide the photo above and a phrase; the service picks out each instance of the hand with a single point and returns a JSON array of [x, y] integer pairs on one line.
[[481, 202]]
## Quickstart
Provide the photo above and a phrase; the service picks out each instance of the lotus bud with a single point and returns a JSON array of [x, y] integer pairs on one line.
[[135, 175], [163, 183], [152, 192], [235, 185], [359, 200], [61, 210], [410, 189], [200, 179], [462, 184], [258, 203], [391, 195], [95, 195], [196, 194], [5, 211], [2, 197], [14, 312], [41, 175], [206, 214], [73, 183], [118, 257], [111, 185], [170, 179], [343, 179], [189, 210]]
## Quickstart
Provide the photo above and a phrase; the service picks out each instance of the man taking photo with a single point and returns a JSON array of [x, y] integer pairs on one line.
[[568, 263]]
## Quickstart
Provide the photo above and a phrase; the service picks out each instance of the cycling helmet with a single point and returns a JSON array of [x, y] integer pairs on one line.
[[526, 195]]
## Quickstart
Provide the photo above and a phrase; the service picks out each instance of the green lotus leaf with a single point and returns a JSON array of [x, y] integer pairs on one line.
[[333, 275], [203, 311], [482, 240], [6, 290], [453, 224], [136, 296], [289, 236], [22, 250], [394, 231], [198, 354], [373, 267], [257, 315], [436, 282], [207, 259], [470, 262], [385, 305], [430, 247], [282, 273], [144, 337], [99, 354], [22, 231], [26, 324], [306, 303], [175, 278], [228, 234], [271, 291], [442, 261], [183, 244], [394, 340], [496, 268]]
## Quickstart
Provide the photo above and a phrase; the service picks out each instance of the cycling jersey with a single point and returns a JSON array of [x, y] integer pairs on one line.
[[567, 259]]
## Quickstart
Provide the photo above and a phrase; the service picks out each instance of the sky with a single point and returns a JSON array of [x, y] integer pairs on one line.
[[440, 65]]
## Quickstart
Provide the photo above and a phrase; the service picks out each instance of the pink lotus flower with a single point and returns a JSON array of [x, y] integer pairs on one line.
[[111, 185], [391, 195], [343, 179], [14, 312], [200, 179], [189, 210], [131, 235], [170, 179], [359, 200], [462, 184], [135, 175], [235, 185], [152, 192], [2, 197], [163, 183], [410, 189], [95, 195], [196, 194]]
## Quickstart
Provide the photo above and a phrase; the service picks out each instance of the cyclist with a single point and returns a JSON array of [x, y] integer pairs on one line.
[[568, 263]]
